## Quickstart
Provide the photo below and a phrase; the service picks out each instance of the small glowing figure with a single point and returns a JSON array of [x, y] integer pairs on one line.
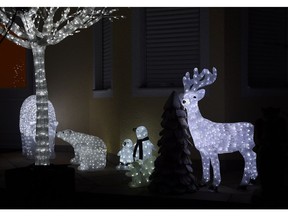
[[126, 154], [140, 172], [90, 151], [27, 126], [144, 148], [212, 138]]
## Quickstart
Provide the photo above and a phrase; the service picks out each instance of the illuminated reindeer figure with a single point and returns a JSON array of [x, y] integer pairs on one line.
[[212, 138]]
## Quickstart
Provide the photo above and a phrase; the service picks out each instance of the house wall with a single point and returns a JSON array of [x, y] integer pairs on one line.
[[122, 112], [241, 106], [70, 78]]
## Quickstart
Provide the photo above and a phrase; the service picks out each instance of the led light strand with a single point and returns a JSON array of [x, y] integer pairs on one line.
[[140, 170], [148, 147], [212, 138], [90, 151], [41, 27], [27, 125], [125, 154]]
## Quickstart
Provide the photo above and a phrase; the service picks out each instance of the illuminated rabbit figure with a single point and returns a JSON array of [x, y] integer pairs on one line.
[[212, 138]]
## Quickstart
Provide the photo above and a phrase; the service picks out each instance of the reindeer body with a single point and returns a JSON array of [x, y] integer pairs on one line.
[[211, 138]]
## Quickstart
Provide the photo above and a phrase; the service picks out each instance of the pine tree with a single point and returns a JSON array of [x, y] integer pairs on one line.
[[173, 173]]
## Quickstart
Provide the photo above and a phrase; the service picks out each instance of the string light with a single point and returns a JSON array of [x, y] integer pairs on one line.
[[141, 169], [126, 154], [140, 172], [90, 151], [212, 138], [39, 28], [27, 124], [148, 147]]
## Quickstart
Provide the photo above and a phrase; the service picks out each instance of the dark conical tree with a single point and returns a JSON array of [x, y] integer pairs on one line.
[[173, 173]]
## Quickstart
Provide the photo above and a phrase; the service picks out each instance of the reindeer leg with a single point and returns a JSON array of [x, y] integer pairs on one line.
[[205, 168], [254, 172], [248, 168], [216, 172]]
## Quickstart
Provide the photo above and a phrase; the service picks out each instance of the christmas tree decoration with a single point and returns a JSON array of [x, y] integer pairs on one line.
[[173, 173], [126, 154], [212, 138], [27, 125], [90, 151], [36, 28], [143, 148], [140, 171]]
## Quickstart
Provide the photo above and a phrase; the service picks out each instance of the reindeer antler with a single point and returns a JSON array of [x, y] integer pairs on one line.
[[199, 80]]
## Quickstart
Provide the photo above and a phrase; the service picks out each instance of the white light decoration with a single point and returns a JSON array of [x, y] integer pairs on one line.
[[27, 125], [90, 151], [36, 28], [126, 154], [140, 172], [212, 138], [144, 148]]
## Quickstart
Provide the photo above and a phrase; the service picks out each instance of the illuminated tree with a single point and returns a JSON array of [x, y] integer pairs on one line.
[[36, 28]]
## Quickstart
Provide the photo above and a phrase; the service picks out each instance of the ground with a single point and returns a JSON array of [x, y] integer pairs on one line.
[[108, 189]]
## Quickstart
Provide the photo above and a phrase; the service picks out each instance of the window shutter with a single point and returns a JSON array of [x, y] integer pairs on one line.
[[107, 53], [103, 55], [172, 45], [267, 47]]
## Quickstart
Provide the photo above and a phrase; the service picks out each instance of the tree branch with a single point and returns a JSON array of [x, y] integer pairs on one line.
[[48, 22], [82, 19], [18, 31], [28, 19], [18, 41]]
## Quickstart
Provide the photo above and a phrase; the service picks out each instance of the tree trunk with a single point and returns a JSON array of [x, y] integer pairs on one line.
[[42, 149]]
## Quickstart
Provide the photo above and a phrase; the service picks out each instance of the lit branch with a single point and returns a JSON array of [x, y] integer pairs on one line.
[[18, 41], [81, 19], [40, 28], [48, 23], [15, 29]]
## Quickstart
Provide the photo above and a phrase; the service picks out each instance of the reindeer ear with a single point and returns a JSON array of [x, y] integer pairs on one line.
[[201, 94]]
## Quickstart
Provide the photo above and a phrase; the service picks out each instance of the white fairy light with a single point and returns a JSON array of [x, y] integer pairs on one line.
[[212, 138], [140, 171], [90, 151], [126, 154], [27, 126], [148, 147], [142, 167], [39, 28]]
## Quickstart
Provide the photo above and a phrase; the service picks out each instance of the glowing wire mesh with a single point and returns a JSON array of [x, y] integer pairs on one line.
[[212, 138], [27, 126], [90, 151], [148, 147], [126, 154]]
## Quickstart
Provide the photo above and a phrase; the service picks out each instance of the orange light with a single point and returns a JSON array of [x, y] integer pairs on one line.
[[12, 65]]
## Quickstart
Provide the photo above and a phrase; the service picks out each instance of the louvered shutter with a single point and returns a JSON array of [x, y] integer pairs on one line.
[[103, 55], [172, 37], [267, 47], [107, 54]]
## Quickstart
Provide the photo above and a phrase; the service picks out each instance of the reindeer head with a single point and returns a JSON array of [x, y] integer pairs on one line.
[[192, 87]]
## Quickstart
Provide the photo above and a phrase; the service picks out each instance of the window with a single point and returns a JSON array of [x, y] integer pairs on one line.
[[16, 83], [265, 49], [103, 58], [167, 42], [13, 65]]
